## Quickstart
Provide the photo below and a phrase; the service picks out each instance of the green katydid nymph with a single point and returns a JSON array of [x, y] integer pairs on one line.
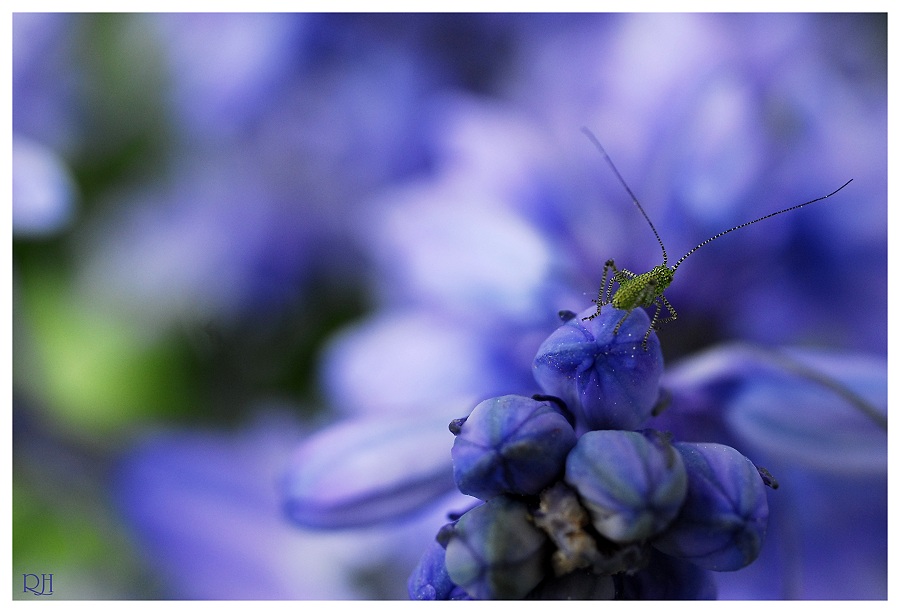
[[645, 290]]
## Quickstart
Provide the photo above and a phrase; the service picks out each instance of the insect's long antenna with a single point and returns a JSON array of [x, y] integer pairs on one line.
[[596, 142], [743, 225]]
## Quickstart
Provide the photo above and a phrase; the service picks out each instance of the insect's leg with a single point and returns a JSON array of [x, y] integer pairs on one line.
[[609, 264], [651, 328], [672, 314], [604, 285], [623, 274], [654, 323], [647, 298], [621, 321]]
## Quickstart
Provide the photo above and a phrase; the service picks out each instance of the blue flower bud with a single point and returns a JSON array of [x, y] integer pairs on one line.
[[632, 485], [511, 444], [430, 581], [723, 521], [607, 380], [366, 471], [495, 552], [667, 578]]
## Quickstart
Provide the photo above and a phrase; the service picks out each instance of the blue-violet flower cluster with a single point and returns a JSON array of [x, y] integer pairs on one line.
[[577, 500]]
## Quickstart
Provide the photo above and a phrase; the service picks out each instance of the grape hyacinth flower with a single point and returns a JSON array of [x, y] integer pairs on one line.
[[633, 513], [615, 513]]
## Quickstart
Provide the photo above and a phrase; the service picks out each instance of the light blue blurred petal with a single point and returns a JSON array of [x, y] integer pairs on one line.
[[44, 191], [366, 471]]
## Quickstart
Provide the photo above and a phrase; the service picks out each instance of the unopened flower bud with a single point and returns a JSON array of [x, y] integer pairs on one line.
[[495, 551], [511, 444], [430, 581], [632, 484], [723, 521], [608, 381]]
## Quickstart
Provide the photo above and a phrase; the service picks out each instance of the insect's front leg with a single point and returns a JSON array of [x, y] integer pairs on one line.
[[622, 275], [600, 301], [672, 314], [654, 323], [603, 284], [621, 321], [651, 328]]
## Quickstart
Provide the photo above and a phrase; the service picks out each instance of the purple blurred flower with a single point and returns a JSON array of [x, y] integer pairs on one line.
[[44, 192], [205, 510], [44, 123], [367, 471], [217, 89], [46, 79], [272, 151], [216, 242], [461, 174]]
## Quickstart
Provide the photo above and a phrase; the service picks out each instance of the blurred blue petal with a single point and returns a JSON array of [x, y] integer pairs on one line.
[[205, 510], [44, 192], [217, 88], [454, 241], [406, 362], [367, 471], [809, 422], [817, 409], [216, 243], [46, 78]]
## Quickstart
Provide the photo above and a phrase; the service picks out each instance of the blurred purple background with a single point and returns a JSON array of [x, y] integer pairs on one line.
[[233, 231]]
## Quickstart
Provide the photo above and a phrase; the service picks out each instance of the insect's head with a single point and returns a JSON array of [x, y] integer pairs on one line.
[[662, 275]]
